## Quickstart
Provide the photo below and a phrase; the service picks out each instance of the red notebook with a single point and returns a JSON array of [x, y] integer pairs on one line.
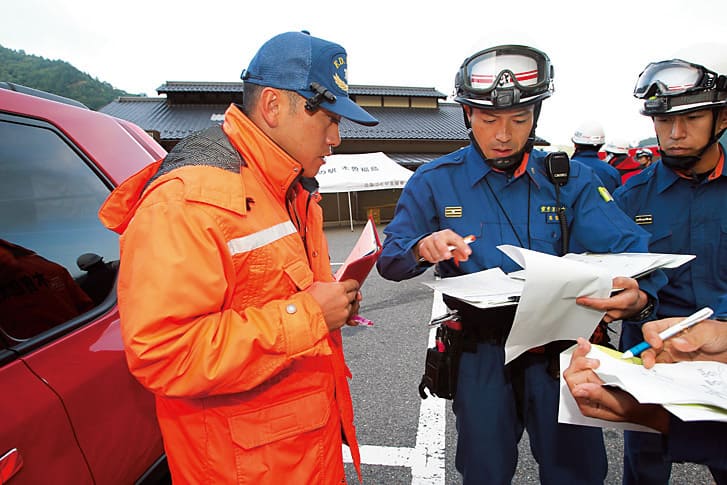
[[363, 256]]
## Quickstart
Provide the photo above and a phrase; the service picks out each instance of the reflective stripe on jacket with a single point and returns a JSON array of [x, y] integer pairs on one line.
[[251, 386]]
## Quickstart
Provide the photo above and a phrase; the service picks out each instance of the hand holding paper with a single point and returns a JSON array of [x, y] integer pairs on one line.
[[692, 391], [585, 400], [547, 309], [546, 292]]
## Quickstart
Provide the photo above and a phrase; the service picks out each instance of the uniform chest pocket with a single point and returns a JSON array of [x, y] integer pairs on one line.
[[546, 237], [266, 274]]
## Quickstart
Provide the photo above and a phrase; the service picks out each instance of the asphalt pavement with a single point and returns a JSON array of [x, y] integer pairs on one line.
[[394, 426]]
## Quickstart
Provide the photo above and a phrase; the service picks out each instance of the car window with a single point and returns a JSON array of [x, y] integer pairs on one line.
[[56, 259]]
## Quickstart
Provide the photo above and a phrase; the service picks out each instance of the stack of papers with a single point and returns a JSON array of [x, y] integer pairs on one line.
[[633, 265], [692, 391], [484, 289], [546, 290]]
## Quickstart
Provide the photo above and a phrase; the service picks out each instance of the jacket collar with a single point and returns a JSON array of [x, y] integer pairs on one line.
[[666, 177], [477, 168], [268, 160]]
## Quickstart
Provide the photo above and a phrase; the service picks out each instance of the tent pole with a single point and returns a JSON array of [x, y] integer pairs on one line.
[[350, 213], [338, 206]]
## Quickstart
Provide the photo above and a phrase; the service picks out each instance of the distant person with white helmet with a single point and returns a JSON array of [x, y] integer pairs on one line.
[[617, 155], [617, 150], [499, 188], [588, 139], [643, 157], [681, 201]]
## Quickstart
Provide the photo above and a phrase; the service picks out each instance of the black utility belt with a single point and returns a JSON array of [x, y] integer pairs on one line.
[[483, 325], [486, 332]]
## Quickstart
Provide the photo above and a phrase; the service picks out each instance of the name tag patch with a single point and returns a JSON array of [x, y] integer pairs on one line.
[[644, 219], [551, 218], [551, 214]]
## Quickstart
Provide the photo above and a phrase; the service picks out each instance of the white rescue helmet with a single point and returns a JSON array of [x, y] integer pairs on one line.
[[617, 146], [643, 152], [696, 78], [589, 133]]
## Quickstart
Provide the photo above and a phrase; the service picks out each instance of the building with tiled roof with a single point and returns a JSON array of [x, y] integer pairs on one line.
[[416, 125], [412, 120]]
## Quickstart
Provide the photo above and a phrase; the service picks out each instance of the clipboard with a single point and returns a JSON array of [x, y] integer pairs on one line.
[[362, 257]]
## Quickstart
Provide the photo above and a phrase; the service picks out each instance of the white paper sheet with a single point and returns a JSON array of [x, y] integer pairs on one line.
[[484, 289], [692, 391], [547, 288], [547, 310], [633, 265], [568, 412], [679, 383]]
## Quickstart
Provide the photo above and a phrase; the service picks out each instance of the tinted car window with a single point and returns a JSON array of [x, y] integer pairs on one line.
[[56, 259]]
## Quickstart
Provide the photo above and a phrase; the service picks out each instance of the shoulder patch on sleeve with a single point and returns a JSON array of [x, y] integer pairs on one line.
[[605, 194]]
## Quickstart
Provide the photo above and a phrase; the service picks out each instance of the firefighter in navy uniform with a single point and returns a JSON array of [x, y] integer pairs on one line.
[[588, 138], [497, 189], [681, 201]]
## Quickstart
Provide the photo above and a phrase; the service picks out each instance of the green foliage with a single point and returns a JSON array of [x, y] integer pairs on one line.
[[57, 77]]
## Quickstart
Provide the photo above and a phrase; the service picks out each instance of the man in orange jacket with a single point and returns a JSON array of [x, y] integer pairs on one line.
[[229, 310]]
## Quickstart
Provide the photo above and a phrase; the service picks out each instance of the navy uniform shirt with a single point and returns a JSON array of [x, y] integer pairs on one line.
[[610, 177], [461, 192], [686, 217]]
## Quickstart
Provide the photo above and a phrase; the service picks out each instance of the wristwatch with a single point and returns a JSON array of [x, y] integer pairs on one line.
[[646, 311]]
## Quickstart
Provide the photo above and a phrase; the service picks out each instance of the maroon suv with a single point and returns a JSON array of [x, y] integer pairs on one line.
[[70, 412]]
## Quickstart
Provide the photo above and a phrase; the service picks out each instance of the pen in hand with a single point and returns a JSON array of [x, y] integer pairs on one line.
[[467, 240], [691, 320]]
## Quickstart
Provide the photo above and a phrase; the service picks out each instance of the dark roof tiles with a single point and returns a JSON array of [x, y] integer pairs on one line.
[[236, 87], [176, 120], [444, 123], [199, 87], [179, 120]]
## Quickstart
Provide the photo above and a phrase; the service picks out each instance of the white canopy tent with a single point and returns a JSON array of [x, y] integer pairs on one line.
[[361, 171]]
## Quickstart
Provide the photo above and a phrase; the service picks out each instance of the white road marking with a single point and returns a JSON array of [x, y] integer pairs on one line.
[[427, 458]]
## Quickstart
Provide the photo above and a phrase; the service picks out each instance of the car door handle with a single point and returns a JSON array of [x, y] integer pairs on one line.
[[10, 464]]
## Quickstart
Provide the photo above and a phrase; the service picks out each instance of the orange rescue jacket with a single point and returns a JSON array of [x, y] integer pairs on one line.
[[250, 385]]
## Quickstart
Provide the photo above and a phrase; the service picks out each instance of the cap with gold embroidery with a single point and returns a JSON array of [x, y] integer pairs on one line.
[[312, 67]]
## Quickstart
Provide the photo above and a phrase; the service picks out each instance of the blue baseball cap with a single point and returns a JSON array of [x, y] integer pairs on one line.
[[312, 67]]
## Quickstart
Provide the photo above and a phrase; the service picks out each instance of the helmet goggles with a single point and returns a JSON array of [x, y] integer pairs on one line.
[[504, 76], [679, 86]]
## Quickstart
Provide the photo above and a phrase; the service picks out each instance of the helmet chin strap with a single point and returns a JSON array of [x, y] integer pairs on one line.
[[504, 164], [686, 163], [508, 164]]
